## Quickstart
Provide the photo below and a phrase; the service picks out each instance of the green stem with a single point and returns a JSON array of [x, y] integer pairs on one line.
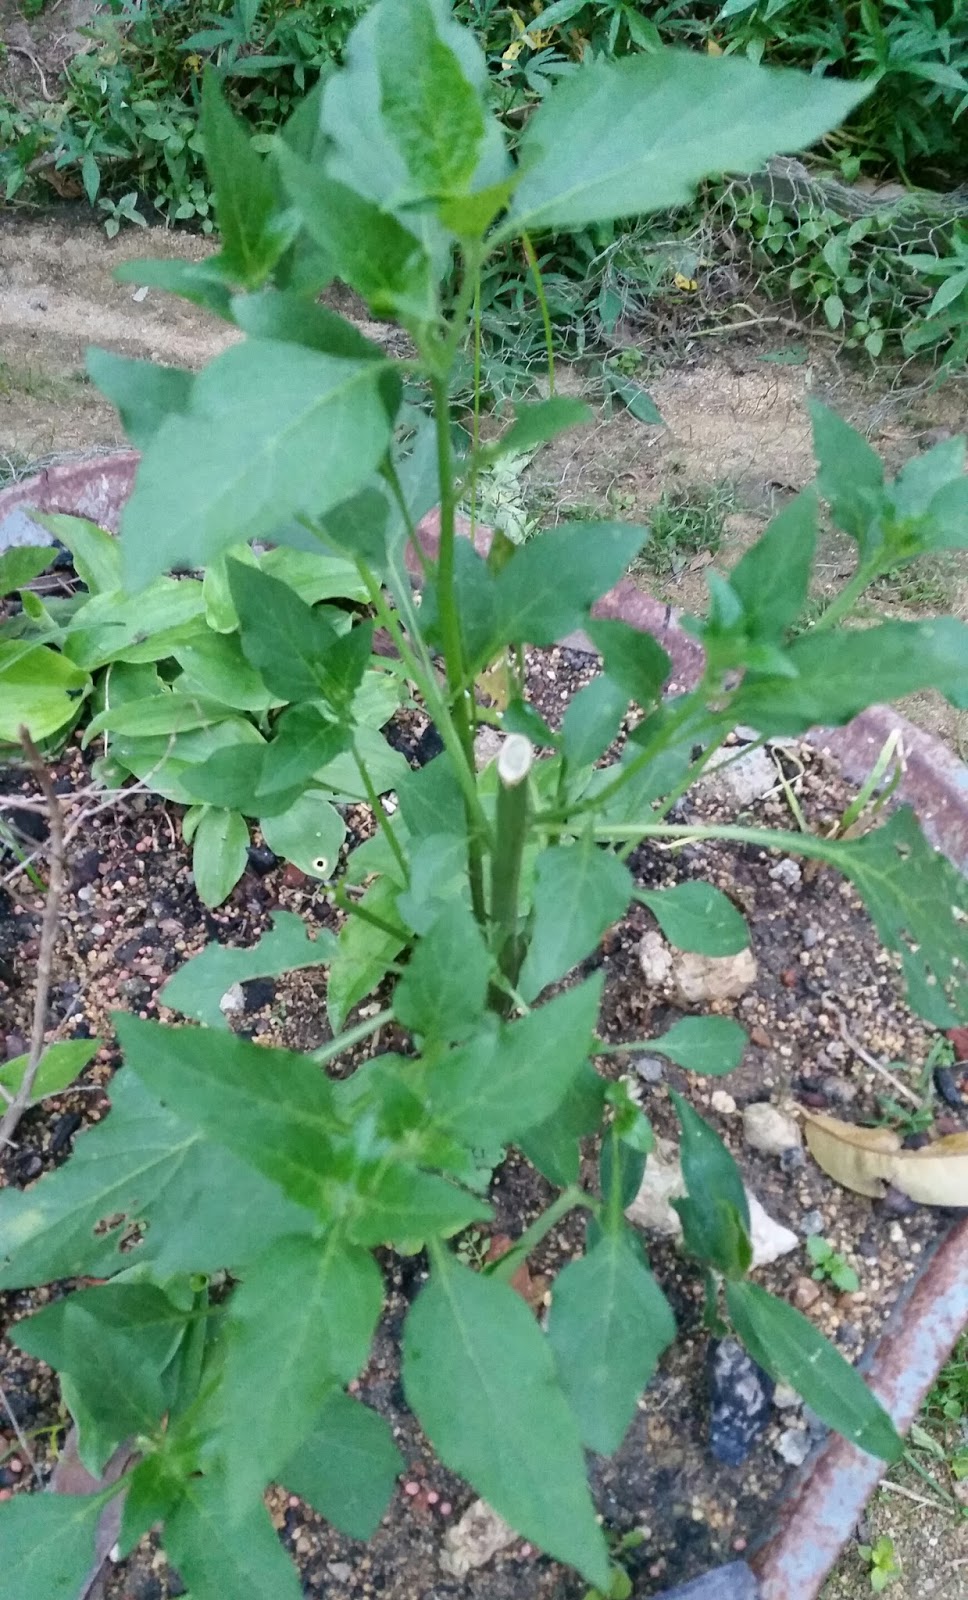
[[505, 1267], [797, 843], [380, 812], [848, 597], [354, 909], [513, 807], [352, 1036], [532, 261]]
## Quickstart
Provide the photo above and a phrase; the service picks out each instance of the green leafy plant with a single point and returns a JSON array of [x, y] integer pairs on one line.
[[830, 1264], [483, 892], [883, 1562]]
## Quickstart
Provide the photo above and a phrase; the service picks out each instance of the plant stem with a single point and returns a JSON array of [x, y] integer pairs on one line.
[[352, 1036], [382, 815], [779, 839], [354, 909], [513, 806], [532, 261], [848, 597], [505, 1267]]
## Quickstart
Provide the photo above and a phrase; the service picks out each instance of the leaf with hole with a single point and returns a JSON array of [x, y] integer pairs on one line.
[[309, 833]]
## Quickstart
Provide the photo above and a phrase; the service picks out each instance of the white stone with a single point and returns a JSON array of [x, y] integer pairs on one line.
[[793, 1446], [662, 1182], [786, 872], [701, 978], [232, 1000], [474, 1540], [739, 780], [769, 1129], [655, 958], [785, 1397], [722, 1102]]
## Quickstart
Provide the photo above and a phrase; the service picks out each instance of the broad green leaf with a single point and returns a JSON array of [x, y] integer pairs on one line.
[[773, 578], [347, 1468], [438, 878], [850, 477], [431, 801], [141, 1187], [59, 1066], [549, 584], [110, 1346], [443, 990], [39, 689], [309, 833], [95, 552], [220, 852], [592, 720], [711, 1045], [220, 612], [183, 767], [553, 1144], [579, 892], [295, 648], [622, 137], [48, 1543], [198, 986], [609, 1324], [697, 916], [305, 741], [788, 1346], [136, 628], [511, 1077], [21, 564], [634, 396], [315, 577], [839, 673], [204, 283], [715, 1217], [918, 903], [272, 1108], [633, 659], [168, 712], [479, 1374], [537, 422], [433, 114], [292, 318], [370, 250], [215, 667], [223, 1559], [405, 1207], [363, 953], [298, 1327], [143, 394], [254, 234], [273, 431]]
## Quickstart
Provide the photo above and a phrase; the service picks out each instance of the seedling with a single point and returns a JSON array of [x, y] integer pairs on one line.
[[829, 1264], [884, 1566]]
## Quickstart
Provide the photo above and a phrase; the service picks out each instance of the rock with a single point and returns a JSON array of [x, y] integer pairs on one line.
[[806, 1293], [15, 1045], [339, 1571], [262, 859], [785, 1397], [747, 778], [769, 1238], [740, 1395], [655, 958], [649, 1068], [700, 978], [232, 1000], [786, 872], [722, 1103], [811, 1222], [474, 1540], [810, 937], [793, 1446], [769, 1129], [662, 1182], [85, 868], [258, 992], [792, 1160]]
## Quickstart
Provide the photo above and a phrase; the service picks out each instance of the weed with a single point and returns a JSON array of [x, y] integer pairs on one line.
[[882, 1561], [685, 523], [829, 1264]]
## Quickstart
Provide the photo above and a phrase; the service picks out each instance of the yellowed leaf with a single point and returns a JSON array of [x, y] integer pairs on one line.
[[936, 1175], [712, 48], [688, 285], [859, 1158]]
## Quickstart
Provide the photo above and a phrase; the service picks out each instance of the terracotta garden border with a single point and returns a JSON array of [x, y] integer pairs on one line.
[[828, 1496]]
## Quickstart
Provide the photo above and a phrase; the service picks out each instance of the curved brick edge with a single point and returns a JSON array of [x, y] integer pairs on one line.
[[819, 1516]]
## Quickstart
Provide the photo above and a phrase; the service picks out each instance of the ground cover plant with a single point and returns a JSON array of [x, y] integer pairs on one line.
[[231, 1203]]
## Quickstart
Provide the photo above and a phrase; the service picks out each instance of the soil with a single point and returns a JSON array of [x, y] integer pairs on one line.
[[132, 916]]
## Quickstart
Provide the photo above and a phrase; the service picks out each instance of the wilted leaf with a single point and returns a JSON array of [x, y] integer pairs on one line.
[[865, 1159]]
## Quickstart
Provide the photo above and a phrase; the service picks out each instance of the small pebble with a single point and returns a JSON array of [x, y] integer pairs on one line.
[[805, 1294], [786, 872], [722, 1102], [811, 938], [812, 1222], [793, 1446], [650, 1069]]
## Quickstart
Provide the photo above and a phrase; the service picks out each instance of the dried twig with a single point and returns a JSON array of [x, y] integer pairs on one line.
[[877, 1066], [21, 50], [48, 937], [25, 1449]]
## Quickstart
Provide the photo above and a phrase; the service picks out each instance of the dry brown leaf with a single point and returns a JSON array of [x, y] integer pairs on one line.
[[936, 1175], [866, 1159], [861, 1159]]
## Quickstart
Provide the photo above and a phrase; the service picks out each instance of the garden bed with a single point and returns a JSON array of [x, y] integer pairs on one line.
[[132, 916]]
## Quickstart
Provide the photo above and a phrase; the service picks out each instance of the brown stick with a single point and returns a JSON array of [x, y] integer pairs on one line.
[[48, 937]]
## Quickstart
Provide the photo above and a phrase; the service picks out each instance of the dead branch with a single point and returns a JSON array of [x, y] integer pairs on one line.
[[48, 937]]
